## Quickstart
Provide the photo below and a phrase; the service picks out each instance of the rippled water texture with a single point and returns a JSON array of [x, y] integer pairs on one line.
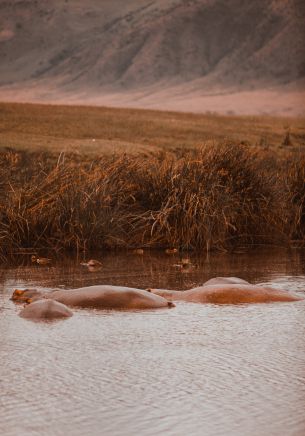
[[193, 370]]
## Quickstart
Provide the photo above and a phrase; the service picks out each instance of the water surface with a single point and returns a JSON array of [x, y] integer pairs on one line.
[[195, 369]]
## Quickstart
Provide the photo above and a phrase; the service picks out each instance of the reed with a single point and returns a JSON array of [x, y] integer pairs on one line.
[[295, 183], [217, 197]]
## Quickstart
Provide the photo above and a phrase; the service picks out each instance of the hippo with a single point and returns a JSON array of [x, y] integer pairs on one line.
[[228, 290], [98, 297], [45, 310]]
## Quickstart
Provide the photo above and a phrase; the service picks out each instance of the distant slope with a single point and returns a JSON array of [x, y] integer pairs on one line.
[[188, 47]]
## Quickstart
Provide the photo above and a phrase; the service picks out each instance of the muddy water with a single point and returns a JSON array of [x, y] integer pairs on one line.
[[195, 369]]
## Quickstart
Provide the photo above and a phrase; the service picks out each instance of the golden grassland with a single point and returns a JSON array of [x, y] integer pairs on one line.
[[88, 178], [97, 130]]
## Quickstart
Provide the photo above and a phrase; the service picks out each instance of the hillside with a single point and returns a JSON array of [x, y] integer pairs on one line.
[[151, 53]]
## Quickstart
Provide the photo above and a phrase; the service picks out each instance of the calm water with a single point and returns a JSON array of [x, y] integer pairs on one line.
[[196, 369]]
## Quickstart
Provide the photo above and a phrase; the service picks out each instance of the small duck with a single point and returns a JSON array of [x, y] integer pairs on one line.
[[92, 263], [184, 265], [41, 260], [171, 250], [139, 251]]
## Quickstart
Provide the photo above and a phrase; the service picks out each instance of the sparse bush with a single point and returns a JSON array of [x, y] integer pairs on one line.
[[287, 141]]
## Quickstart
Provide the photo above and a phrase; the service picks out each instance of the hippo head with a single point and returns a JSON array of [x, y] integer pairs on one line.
[[26, 295]]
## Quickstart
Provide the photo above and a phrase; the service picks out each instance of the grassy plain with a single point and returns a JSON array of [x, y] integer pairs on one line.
[[98, 130]]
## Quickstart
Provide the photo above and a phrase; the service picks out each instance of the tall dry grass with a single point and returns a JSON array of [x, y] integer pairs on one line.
[[295, 183], [219, 197]]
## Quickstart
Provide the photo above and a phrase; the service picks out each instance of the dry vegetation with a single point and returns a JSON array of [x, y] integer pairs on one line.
[[216, 197], [147, 180]]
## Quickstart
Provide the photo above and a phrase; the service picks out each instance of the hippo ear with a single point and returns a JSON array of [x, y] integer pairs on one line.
[[148, 289], [171, 304]]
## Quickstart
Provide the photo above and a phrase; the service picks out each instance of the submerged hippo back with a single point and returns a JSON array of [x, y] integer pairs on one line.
[[110, 297], [45, 309], [225, 280], [140, 299], [237, 294]]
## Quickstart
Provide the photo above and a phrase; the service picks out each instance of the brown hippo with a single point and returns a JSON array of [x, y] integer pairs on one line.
[[45, 310], [99, 297], [229, 290]]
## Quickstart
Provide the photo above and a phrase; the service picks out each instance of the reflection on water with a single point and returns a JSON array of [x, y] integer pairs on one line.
[[197, 369]]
